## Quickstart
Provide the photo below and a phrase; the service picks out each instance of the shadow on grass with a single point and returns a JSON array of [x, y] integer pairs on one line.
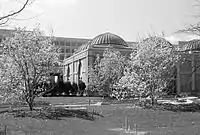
[[193, 107], [53, 113]]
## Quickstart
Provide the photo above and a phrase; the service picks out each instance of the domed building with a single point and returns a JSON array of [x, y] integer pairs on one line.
[[76, 66]]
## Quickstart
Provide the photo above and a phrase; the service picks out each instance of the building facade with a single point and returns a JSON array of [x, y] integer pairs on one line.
[[188, 70], [76, 66]]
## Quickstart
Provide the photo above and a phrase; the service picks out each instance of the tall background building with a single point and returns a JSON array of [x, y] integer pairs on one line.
[[68, 45]]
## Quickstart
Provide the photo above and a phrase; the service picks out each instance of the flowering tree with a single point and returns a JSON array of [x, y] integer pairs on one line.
[[106, 71], [150, 68], [129, 85], [28, 59], [95, 76]]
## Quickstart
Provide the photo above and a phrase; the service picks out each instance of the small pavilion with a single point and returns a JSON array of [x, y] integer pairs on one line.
[[76, 66]]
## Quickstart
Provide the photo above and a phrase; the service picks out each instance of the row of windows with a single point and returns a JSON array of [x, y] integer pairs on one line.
[[67, 50], [64, 56], [67, 43], [63, 50]]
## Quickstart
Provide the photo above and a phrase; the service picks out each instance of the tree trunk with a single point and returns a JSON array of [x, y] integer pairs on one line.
[[152, 100], [30, 104], [152, 96]]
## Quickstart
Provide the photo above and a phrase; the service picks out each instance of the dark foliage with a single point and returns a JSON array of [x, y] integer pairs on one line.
[[74, 88], [193, 107], [68, 87], [60, 87], [82, 87]]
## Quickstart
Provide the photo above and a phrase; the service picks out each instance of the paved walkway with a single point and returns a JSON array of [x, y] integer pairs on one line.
[[178, 101]]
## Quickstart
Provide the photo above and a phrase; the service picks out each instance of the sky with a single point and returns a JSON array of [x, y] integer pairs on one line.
[[129, 19]]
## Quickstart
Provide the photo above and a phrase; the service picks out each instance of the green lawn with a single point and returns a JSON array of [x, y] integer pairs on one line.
[[149, 121]]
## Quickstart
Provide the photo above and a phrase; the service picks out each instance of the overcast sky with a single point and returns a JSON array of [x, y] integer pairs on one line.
[[88, 18]]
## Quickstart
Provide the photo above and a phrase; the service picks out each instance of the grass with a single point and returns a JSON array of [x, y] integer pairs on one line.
[[109, 119]]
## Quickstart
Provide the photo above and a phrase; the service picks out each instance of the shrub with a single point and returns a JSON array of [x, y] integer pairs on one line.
[[82, 87], [74, 88], [68, 87]]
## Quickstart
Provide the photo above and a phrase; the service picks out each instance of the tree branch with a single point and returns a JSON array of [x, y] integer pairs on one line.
[[7, 17], [4, 21]]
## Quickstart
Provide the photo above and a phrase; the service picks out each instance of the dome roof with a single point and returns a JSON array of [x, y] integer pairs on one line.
[[193, 45], [105, 39], [108, 38]]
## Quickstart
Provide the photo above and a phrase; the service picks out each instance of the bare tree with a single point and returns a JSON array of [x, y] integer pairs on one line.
[[192, 28], [4, 19]]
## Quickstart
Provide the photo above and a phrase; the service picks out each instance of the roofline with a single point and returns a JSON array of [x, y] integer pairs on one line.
[[76, 38], [73, 38]]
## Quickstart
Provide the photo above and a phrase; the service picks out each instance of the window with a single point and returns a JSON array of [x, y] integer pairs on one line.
[[56, 42], [67, 50], [79, 44], [62, 43], [61, 57], [67, 43], [61, 50]]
